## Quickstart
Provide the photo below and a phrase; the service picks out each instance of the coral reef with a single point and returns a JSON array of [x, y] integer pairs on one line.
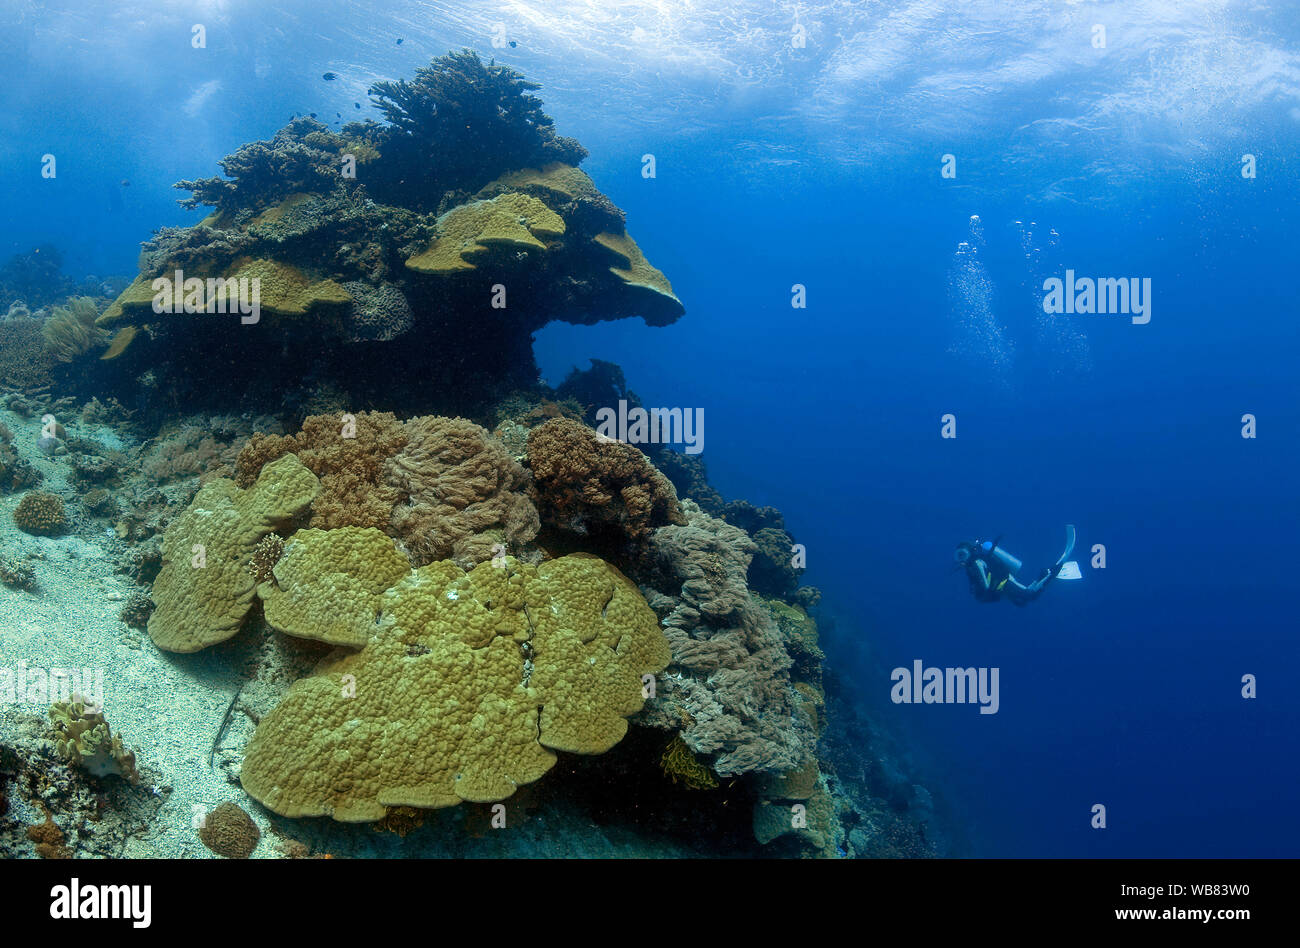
[[461, 495], [595, 486], [413, 230], [467, 685], [41, 514], [229, 831], [730, 671], [71, 332], [443, 487], [204, 590], [84, 737]]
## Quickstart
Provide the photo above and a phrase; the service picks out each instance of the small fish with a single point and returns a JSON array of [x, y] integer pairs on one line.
[[513, 44], [357, 104], [338, 115], [125, 183], [330, 76], [399, 42], [312, 114]]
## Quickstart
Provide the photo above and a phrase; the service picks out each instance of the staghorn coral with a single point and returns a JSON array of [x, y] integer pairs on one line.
[[588, 484], [204, 590], [84, 737], [348, 454], [468, 684], [461, 495], [41, 514], [229, 831], [731, 680]]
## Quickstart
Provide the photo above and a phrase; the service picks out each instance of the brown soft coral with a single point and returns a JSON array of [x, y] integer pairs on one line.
[[587, 483], [461, 494], [348, 454]]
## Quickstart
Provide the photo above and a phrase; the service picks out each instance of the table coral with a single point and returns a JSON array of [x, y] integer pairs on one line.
[[468, 683], [204, 590]]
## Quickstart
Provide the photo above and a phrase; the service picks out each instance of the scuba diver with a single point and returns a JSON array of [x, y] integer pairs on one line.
[[992, 570]]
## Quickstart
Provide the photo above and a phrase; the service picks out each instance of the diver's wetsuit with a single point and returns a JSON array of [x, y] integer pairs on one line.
[[991, 581]]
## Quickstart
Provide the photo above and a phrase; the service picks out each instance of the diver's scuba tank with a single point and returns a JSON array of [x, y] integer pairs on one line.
[[991, 548]]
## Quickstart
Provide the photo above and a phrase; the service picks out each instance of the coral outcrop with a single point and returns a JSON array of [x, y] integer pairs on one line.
[[462, 225], [229, 831], [41, 514], [587, 484], [467, 685], [443, 487], [730, 675], [204, 590]]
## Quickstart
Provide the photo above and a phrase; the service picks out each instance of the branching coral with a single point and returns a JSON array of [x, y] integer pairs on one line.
[[348, 453], [41, 514], [443, 487], [461, 123], [588, 484]]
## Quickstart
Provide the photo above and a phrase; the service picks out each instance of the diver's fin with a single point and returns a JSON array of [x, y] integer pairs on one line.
[[1069, 570], [1069, 544]]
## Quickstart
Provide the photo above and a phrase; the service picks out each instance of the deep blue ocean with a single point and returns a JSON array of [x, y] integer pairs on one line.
[[822, 166]]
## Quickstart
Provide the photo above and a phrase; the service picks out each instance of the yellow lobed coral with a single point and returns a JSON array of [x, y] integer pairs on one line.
[[442, 704], [326, 586], [631, 266], [204, 590], [84, 737], [556, 177], [467, 232]]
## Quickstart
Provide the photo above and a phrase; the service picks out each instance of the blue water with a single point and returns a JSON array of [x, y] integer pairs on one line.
[[821, 166]]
